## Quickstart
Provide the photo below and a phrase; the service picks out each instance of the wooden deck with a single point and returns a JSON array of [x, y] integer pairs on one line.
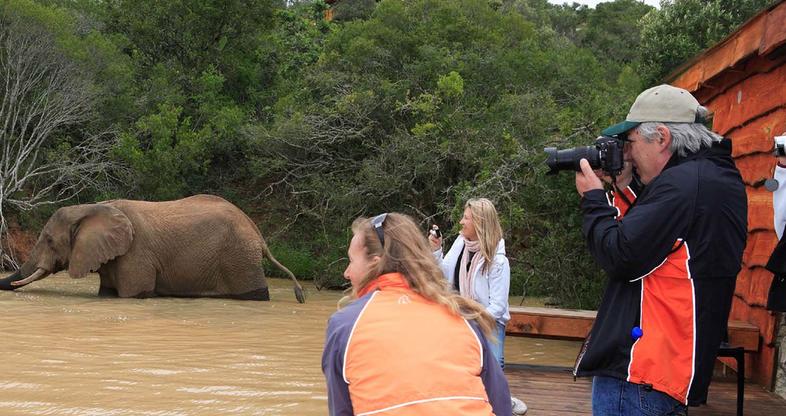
[[552, 391]]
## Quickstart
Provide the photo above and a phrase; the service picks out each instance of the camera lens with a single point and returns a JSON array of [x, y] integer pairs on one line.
[[568, 159]]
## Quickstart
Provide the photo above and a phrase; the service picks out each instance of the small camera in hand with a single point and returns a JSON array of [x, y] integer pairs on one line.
[[780, 146], [435, 231]]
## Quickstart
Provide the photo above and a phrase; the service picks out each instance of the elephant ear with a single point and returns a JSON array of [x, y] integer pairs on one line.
[[101, 234]]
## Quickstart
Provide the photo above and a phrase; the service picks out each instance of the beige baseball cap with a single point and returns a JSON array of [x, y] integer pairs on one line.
[[664, 103]]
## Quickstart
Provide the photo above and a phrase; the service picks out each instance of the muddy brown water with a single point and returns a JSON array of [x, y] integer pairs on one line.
[[68, 352]]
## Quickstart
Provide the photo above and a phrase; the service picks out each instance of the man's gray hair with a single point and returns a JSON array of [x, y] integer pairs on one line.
[[685, 137]]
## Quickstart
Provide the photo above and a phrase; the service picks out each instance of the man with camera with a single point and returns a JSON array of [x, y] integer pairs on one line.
[[672, 257]]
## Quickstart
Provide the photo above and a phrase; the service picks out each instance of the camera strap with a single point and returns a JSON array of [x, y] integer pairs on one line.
[[618, 191]]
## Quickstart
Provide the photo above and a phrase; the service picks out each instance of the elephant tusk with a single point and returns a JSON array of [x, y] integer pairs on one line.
[[39, 273]]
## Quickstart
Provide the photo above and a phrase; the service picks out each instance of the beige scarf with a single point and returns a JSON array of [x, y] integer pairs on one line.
[[467, 277]]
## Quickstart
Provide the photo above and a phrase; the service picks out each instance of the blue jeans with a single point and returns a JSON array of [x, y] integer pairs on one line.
[[498, 349], [615, 397]]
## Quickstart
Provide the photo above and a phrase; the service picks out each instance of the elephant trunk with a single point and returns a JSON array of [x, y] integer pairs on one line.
[[17, 279]]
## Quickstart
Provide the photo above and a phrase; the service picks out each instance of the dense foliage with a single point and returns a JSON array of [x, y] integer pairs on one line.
[[393, 105], [684, 28]]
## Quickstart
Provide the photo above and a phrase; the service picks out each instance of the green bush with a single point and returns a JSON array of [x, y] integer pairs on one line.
[[323, 264], [300, 262]]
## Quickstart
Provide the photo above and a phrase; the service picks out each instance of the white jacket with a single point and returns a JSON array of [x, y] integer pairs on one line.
[[779, 201], [490, 288]]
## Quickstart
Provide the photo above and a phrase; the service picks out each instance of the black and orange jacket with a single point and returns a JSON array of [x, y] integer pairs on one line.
[[393, 352], [672, 259]]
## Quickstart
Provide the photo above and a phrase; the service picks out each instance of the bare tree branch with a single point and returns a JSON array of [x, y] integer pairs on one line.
[[46, 154]]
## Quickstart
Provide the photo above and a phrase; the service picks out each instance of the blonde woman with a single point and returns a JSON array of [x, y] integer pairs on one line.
[[476, 267], [387, 352]]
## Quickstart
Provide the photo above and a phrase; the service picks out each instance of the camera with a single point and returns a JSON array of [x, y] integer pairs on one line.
[[435, 231], [780, 146], [606, 155]]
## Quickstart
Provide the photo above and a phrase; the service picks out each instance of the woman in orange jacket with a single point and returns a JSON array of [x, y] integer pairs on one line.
[[407, 345]]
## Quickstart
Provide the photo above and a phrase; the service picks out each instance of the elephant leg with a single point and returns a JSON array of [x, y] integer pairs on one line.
[[135, 280], [244, 279], [107, 286], [258, 294], [107, 292]]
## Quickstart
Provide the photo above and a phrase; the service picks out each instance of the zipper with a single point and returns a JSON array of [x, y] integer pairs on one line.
[[583, 350]]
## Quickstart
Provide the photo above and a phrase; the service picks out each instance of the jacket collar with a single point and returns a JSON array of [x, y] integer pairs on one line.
[[718, 150], [385, 281]]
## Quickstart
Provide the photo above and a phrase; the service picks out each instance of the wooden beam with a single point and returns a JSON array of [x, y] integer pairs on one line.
[[554, 323], [575, 324]]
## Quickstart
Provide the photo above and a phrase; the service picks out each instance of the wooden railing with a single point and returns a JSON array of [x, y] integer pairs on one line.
[[575, 324]]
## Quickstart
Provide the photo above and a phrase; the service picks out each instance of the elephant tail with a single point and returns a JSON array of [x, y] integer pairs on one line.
[[299, 294]]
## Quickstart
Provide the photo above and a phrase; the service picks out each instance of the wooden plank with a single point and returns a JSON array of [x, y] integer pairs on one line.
[[708, 91], [760, 213], [755, 169], [691, 78], [743, 287], [720, 57], [760, 281], [574, 324], [748, 40], [760, 242], [757, 136], [743, 334], [775, 31], [550, 323], [750, 99]]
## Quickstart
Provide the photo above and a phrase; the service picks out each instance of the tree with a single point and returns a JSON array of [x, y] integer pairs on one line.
[[346, 10], [566, 19], [202, 70], [49, 152], [681, 29], [186, 38], [612, 30]]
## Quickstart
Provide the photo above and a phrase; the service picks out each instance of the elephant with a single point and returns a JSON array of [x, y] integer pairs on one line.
[[200, 246]]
